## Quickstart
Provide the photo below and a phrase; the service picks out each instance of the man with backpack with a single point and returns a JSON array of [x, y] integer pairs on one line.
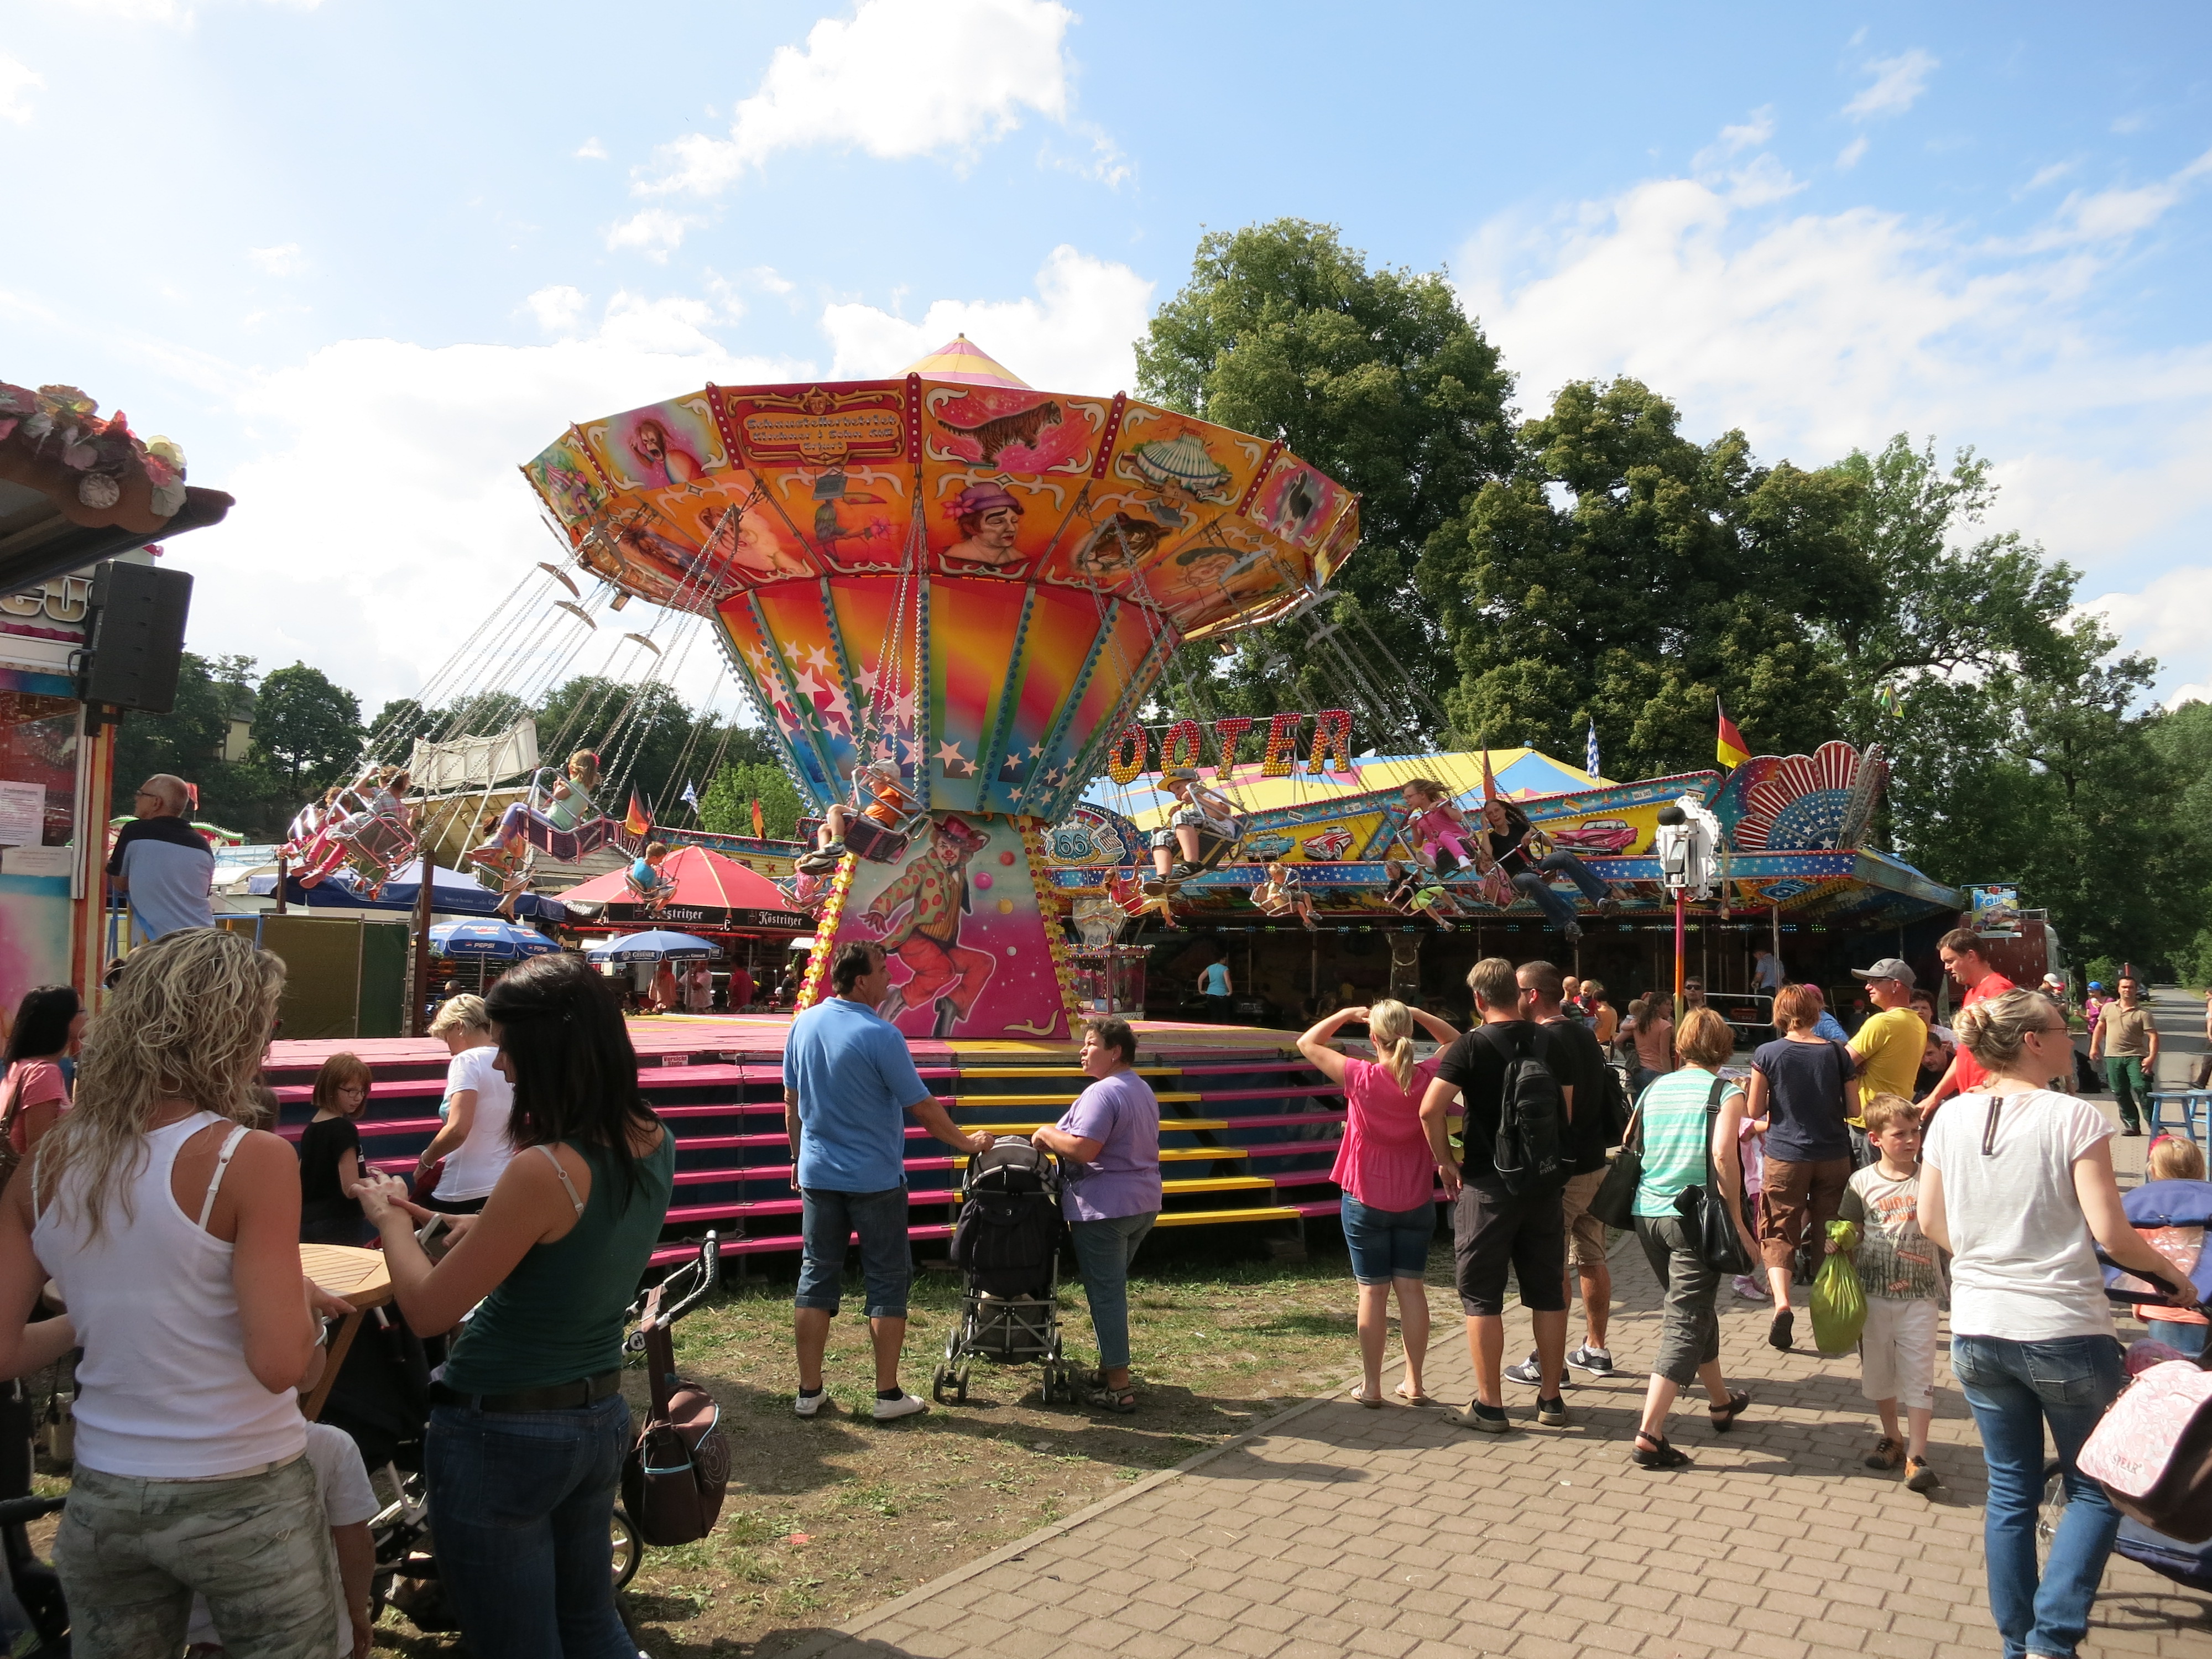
[[1595, 1129], [1504, 1187]]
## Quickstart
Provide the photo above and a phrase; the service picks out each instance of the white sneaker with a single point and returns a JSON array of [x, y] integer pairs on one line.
[[806, 1405], [905, 1406]]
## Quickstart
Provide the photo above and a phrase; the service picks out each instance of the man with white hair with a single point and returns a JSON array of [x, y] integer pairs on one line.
[[162, 865]]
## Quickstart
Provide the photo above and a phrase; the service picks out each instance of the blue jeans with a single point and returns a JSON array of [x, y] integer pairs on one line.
[[828, 1222], [2182, 1338], [1387, 1244], [1103, 1250], [2014, 1389], [521, 1504], [1556, 905]]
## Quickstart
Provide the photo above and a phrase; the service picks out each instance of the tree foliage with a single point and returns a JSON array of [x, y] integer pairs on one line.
[[306, 730], [1375, 376], [188, 743], [727, 808]]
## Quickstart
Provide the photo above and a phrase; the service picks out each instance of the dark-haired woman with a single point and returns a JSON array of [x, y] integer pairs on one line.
[[35, 1093], [529, 1430]]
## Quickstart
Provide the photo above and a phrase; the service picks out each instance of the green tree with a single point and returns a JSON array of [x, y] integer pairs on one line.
[[1627, 575], [1377, 378], [189, 741], [644, 735], [727, 807], [306, 729]]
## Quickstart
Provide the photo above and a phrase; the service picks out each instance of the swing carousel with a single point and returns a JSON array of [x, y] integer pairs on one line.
[[942, 594]]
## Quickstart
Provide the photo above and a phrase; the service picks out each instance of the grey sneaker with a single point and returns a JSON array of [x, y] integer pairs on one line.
[[1527, 1372], [1597, 1361]]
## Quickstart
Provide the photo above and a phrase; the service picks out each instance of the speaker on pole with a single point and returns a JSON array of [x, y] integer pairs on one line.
[[136, 642]]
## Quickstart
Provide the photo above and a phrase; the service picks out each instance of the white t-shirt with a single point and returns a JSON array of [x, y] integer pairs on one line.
[[343, 1479], [2026, 1267], [473, 1168]]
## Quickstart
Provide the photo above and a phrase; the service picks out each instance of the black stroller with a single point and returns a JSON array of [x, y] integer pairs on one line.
[[1006, 1246]]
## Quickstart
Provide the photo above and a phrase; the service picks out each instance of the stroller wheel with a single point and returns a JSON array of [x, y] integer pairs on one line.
[[960, 1386], [627, 1551], [940, 1382]]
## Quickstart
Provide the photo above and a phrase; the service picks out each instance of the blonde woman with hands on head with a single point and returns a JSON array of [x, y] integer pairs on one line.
[[171, 1231], [1388, 1175], [2016, 1182]]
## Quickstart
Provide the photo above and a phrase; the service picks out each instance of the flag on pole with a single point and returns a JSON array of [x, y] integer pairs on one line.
[[1728, 748], [759, 833], [1589, 754], [690, 795], [637, 821]]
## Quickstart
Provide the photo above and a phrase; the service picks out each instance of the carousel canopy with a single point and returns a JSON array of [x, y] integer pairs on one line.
[[710, 891], [1521, 775]]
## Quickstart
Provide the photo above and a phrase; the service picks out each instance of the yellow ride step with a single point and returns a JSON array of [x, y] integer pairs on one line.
[[1171, 1154], [1219, 1184], [1193, 1218], [1042, 1100]]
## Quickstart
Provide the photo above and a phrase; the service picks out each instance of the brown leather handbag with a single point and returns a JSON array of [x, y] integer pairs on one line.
[[675, 1476]]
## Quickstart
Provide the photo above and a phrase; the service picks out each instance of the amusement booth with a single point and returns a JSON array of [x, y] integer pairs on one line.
[[91, 626]]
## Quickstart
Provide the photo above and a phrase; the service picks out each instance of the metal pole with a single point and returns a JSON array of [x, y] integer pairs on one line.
[[418, 1024], [1678, 953], [1775, 912], [283, 875]]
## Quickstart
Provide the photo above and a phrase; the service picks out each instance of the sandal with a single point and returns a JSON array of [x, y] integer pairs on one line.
[[1123, 1400], [1724, 1417], [1778, 1333], [1415, 1397], [1662, 1455], [1372, 1402]]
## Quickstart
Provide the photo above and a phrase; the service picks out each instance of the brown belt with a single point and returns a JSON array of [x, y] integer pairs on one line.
[[559, 1397]]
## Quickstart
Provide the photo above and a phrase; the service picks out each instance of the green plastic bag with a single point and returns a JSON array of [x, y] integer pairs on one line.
[[1840, 1306]]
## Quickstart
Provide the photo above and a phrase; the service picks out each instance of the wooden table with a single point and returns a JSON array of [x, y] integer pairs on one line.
[[362, 1278]]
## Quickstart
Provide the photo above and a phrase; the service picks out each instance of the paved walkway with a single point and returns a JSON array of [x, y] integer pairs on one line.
[[1394, 1533]]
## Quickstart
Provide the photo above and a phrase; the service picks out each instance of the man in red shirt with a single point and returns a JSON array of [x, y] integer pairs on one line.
[[1961, 950]]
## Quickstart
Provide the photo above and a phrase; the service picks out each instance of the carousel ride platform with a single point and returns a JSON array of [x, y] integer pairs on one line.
[[1247, 1130]]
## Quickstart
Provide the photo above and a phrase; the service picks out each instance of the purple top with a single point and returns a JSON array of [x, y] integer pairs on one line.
[[1119, 1112]]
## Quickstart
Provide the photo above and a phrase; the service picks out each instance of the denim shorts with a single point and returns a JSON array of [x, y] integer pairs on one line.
[[1387, 1244], [828, 1223]]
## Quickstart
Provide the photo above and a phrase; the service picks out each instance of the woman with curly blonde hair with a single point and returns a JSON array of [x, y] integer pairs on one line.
[[171, 1231]]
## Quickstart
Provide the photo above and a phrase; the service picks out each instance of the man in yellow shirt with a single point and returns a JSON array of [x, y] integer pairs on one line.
[[1888, 1046]]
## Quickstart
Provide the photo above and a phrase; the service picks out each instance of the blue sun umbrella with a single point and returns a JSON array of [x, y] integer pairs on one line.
[[656, 945], [496, 941]]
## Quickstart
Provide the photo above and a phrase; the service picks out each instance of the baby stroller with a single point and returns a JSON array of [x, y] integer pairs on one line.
[[2174, 1215], [1007, 1245]]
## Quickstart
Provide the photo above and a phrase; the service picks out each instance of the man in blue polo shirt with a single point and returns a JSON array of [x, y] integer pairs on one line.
[[162, 863], [848, 1083]]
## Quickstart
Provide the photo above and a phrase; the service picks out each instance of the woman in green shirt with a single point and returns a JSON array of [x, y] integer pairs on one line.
[[1674, 1129], [529, 1428]]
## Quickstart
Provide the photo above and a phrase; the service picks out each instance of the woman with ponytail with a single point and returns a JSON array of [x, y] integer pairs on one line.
[[1387, 1178]]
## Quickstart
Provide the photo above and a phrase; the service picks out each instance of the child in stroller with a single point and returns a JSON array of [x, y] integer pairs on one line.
[[1006, 1246]]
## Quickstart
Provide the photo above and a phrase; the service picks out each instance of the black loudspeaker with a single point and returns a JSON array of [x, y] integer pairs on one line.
[[136, 642]]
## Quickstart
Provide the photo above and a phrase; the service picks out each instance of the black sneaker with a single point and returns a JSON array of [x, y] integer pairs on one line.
[[1779, 1333], [1552, 1412], [1597, 1361]]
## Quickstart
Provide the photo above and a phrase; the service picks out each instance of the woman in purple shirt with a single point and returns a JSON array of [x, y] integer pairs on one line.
[[1108, 1148]]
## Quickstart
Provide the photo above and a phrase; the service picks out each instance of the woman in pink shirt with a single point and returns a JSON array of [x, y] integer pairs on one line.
[[34, 1094], [1387, 1178]]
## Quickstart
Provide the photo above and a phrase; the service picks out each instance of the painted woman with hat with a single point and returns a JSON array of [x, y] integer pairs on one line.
[[989, 520]]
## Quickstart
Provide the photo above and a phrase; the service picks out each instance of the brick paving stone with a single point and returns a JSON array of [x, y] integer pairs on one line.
[[1397, 1534]]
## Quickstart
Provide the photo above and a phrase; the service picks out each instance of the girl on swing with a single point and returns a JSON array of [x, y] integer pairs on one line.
[[568, 808], [1435, 827]]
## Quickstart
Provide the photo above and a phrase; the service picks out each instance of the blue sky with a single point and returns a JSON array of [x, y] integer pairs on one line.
[[362, 260]]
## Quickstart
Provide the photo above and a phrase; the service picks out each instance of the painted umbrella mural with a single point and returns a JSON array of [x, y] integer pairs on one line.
[[944, 592]]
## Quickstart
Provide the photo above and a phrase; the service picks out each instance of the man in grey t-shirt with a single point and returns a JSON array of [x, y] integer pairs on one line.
[[161, 864]]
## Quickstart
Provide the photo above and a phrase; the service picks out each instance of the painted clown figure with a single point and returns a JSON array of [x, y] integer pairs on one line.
[[933, 889]]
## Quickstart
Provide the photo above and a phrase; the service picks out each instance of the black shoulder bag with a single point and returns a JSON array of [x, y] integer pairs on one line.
[[1719, 1243], [1613, 1203]]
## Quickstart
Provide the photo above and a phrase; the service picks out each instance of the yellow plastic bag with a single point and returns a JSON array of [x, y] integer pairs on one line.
[[1838, 1302]]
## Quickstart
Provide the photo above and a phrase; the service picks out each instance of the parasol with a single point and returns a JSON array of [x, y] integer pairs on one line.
[[497, 941], [656, 945]]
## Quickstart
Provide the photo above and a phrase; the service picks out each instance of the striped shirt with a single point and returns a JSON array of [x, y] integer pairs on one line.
[[1673, 1129]]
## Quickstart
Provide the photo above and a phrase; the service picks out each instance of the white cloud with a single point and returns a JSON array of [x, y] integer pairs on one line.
[[282, 260], [1074, 337], [2104, 215], [1850, 155], [383, 516], [2048, 175], [1818, 333], [654, 232], [590, 150], [900, 78], [556, 308], [2189, 694], [1734, 141], [165, 11], [18, 80], [1897, 85]]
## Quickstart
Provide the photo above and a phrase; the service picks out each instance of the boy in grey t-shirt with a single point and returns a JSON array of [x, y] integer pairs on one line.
[[1898, 1264]]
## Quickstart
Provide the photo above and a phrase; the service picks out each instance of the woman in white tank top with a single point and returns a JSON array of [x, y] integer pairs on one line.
[[170, 1232]]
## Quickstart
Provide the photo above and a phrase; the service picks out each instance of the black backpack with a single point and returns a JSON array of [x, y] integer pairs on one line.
[[1528, 1156], [1009, 1228]]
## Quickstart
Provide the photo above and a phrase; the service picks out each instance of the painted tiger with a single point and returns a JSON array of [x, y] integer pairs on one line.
[[994, 436]]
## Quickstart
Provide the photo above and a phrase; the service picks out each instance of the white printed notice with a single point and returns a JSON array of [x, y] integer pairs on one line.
[[22, 814]]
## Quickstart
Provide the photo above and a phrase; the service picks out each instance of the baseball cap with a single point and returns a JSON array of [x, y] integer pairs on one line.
[[1887, 968]]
